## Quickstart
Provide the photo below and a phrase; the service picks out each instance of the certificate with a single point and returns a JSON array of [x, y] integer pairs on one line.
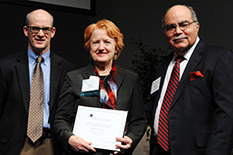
[[100, 126]]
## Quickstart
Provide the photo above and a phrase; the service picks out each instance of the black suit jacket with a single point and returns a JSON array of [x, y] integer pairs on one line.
[[15, 96], [201, 115], [129, 97]]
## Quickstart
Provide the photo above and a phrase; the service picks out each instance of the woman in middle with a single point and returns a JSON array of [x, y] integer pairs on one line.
[[118, 89]]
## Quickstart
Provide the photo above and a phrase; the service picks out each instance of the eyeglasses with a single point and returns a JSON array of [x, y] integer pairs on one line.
[[35, 29], [182, 25]]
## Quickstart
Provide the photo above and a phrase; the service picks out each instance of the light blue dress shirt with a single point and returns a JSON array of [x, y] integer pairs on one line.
[[45, 65]]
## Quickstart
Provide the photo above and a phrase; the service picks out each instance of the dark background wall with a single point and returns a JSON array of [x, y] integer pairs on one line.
[[137, 19]]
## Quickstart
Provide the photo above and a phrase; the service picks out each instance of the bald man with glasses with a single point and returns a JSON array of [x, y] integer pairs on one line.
[[191, 107], [30, 84]]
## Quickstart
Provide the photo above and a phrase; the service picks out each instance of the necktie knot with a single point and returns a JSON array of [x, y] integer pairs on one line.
[[39, 59], [179, 58]]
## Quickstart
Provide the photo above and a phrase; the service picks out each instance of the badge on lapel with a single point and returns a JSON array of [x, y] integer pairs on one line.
[[155, 87], [90, 87], [195, 75]]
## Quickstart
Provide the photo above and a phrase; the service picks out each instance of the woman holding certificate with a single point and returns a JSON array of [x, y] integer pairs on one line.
[[101, 84]]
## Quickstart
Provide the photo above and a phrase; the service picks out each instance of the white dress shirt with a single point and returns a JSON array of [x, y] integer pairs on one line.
[[183, 65]]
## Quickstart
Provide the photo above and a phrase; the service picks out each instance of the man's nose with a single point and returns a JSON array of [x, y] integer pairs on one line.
[[178, 30], [40, 33]]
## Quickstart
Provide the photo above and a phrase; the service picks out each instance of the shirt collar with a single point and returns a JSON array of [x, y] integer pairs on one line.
[[190, 51], [32, 57]]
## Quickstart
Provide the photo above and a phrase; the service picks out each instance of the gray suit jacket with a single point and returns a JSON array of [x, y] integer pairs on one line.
[[129, 97]]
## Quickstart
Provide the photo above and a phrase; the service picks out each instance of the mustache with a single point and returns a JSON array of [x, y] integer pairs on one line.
[[179, 37]]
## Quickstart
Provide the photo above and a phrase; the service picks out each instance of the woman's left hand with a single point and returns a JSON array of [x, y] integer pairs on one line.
[[126, 141]]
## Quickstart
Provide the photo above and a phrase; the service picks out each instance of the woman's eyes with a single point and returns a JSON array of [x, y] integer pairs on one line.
[[97, 42]]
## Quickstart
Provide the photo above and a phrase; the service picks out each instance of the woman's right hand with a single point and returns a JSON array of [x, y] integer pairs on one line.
[[79, 144]]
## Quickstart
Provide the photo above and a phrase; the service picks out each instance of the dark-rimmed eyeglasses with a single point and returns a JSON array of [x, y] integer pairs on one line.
[[182, 25], [36, 29]]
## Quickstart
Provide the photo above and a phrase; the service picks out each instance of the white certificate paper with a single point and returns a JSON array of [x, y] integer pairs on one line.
[[100, 126]]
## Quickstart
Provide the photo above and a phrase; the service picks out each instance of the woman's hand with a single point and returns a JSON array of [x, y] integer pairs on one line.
[[127, 143], [79, 144]]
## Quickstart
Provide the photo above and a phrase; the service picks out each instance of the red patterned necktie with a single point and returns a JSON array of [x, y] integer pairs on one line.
[[163, 131], [36, 107]]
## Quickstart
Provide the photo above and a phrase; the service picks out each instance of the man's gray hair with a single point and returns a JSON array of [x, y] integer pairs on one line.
[[193, 15]]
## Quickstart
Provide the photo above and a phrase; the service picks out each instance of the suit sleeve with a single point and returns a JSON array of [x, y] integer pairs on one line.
[[2, 89], [148, 107], [64, 117], [221, 136], [136, 125]]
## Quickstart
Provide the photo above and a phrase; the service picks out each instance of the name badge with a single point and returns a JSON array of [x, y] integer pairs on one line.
[[155, 87], [90, 87]]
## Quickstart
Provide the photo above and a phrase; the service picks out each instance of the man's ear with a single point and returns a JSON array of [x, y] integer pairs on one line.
[[25, 31], [53, 32], [198, 26]]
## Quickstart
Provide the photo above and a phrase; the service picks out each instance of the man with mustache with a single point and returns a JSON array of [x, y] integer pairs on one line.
[[20, 86], [191, 107]]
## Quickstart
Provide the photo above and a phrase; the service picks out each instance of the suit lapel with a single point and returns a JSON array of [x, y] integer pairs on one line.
[[161, 72], [193, 62], [88, 71], [56, 72], [23, 76], [120, 77]]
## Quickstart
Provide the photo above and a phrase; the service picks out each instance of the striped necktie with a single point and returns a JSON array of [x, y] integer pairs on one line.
[[163, 131], [36, 107]]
